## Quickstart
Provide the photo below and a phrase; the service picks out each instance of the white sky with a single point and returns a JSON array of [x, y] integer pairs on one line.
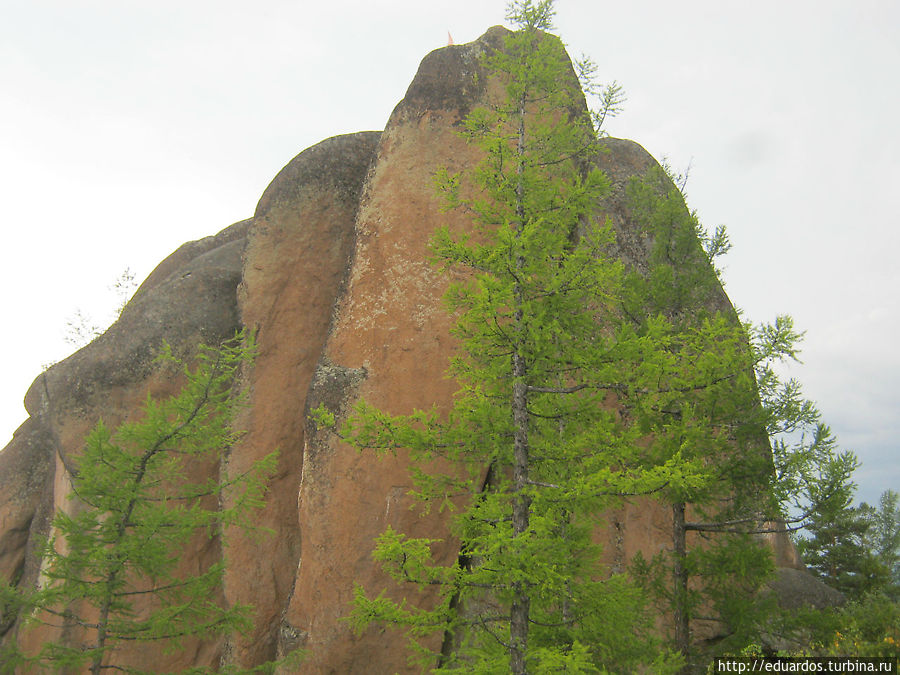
[[128, 128]]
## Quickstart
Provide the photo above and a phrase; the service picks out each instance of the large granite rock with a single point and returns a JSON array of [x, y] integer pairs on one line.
[[332, 273]]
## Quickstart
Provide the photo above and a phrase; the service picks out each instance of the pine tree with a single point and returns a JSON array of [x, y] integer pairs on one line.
[[134, 509], [884, 535], [839, 548]]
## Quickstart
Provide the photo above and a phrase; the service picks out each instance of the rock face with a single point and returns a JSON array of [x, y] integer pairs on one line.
[[296, 261], [332, 272]]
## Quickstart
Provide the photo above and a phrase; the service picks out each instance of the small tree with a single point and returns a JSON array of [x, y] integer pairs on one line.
[[839, 548], [884, 535], [81, 329], [134, 510]]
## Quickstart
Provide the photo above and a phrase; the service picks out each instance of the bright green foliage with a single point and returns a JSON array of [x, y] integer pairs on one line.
[[717, 399], [700, 402], [540, 450], [134, 510], [701, 396]]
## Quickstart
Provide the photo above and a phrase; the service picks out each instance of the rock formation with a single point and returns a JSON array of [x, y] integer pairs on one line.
[[332, 272]]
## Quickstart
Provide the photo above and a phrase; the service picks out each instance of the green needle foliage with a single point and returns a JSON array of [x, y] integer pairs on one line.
[[717, 398], [704, 406], [845, 545], [539, 447], [111, 571]]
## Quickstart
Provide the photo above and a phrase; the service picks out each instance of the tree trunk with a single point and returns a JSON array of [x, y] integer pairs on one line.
[[520, 609], [681, 613], [521, 510]]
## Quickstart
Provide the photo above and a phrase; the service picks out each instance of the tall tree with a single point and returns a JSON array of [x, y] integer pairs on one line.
[[110, 571], [703, 404], [534, 431], [717, 398], [582, 382]]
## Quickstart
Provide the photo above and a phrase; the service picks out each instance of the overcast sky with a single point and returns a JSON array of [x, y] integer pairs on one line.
[[128, 128]]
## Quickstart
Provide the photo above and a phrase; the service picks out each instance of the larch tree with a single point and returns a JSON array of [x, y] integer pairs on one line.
[[110, 572], [540, 446], [717, 398]]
